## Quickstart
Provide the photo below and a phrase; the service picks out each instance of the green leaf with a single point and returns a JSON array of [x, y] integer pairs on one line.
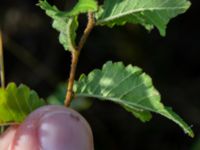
[[17, 102], [66, 25], [84, 6], [148, 13], [66, 22], [129, 87]]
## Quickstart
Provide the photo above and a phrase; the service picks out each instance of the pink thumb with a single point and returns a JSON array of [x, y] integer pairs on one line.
[[7, 137], [52, 128]]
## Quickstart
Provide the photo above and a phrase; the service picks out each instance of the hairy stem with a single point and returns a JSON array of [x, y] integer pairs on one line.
[[2, 62], [75, 58]]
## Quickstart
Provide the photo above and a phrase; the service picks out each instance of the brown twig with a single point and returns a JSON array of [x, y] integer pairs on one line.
[[88, 29], [2, 62], [2, 128], [75, 57]]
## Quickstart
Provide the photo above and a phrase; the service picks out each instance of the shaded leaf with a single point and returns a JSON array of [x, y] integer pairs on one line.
[[66, 22], [148, 13], [129, 87], [66, 25], [17, 102]]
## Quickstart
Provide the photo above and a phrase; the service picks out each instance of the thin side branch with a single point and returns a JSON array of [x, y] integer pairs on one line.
[[75, 58], [2, 62], [88, 29]]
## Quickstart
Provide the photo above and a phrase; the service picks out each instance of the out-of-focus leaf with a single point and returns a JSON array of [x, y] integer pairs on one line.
[[58, 97], [17, 102]]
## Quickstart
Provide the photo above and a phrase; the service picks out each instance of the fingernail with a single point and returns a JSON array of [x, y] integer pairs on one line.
[[64, 130]]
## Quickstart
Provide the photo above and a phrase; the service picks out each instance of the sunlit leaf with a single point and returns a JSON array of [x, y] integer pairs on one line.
[[17, 102], [129, 87]]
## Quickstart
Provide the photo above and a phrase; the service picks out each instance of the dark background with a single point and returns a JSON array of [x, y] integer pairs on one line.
[[33, 56]]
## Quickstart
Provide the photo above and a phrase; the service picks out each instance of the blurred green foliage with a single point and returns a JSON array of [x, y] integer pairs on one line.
[[58, 97], [196, 145]]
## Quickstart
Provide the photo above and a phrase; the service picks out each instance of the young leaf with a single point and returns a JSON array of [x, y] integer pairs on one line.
[[17, 102], [66, 22], [129, 87], [148, 13], [84, 6]]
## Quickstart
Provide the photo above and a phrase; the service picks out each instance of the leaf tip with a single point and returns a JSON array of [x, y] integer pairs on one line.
[[40, 3], [190, 132]]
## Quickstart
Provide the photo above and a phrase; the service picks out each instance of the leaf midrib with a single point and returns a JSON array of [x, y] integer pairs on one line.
[[117, 101], [101, 21], [138, 107]]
